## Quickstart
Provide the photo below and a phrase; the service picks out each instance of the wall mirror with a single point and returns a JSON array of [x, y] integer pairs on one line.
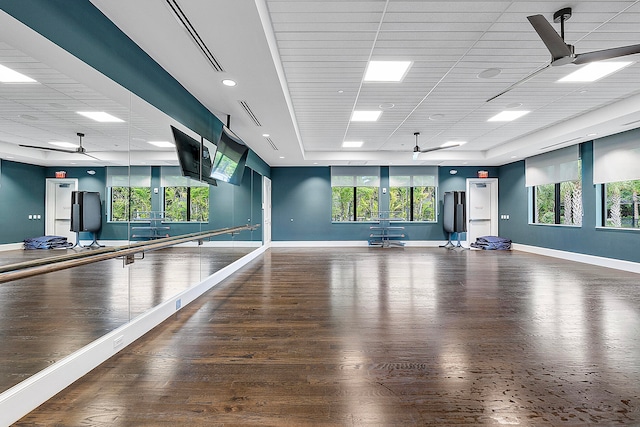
[[128, 159]]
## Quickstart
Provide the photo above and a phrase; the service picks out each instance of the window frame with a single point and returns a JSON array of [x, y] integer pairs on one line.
[[188, 206]]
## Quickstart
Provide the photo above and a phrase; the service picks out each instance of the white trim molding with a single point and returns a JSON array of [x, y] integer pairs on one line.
[[617, 264]]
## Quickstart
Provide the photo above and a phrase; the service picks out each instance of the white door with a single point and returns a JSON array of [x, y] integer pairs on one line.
[[482, 208], [266, 211], [58, 207]]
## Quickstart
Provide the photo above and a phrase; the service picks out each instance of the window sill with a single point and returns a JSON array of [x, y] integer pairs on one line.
[[555, 225], [616, 229]]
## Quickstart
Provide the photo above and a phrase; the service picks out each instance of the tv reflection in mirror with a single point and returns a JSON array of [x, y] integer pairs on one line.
[[230, 159], [190, 159]]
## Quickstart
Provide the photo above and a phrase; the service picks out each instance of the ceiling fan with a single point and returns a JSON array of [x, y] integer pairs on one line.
[[417, 150], [79, 150], [563, 53]]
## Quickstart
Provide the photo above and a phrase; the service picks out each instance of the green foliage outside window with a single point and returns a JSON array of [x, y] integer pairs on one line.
[[199, 204], [622, 204], [344, 199], [183, 204], [366, 203], [419, 207], [565, 197], [342, 204], [126, 201], [545, 205]]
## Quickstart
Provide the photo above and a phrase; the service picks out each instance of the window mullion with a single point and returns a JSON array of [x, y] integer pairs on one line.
[[557, 203]]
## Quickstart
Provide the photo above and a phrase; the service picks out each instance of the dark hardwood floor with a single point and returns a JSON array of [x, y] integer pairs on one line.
[[384, 337], [47, 317]]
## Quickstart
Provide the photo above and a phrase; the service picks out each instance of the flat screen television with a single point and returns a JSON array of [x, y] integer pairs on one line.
[[230, 159], [193, 164]]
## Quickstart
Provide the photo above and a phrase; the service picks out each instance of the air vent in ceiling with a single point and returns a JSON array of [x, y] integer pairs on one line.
[[186, 24], [631, 123], [271, 143], [560, 143], [247, 110]]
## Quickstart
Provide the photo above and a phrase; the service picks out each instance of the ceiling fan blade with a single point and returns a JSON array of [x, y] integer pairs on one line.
[[556, 46], [428, 150], [93, 157], [600, 55], [48, 149], [518, 83]]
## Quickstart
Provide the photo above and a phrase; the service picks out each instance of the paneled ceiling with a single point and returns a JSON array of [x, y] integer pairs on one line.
[[300, 65]]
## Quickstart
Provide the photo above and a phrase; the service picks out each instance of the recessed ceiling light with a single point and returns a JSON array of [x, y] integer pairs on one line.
[[453, 171], [7, 75], [91, 172], [592, 134], [282, 157], [513, 105], [386, 106], [266, 135], [594, 71], [489, 73], [28, 117], [163, 144], [507, 116], [386, 71], [436, 117], [340, 91], [100, 116], [352, 144], [63, 144], [453, 143], [514, 157], [229, 82], [365, 116]]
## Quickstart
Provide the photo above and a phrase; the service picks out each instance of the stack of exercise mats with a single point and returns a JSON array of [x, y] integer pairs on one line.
[[492, 243], [47, 242]]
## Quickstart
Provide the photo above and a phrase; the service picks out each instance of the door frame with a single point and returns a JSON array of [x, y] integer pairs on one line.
[[495, 220], [50, 201], [267, 190]]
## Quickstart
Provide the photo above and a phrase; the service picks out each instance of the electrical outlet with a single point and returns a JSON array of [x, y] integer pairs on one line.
[[118, 341]]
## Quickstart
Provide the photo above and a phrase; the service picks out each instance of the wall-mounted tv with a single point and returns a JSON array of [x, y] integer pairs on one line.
[[230, 159], [194, 157]]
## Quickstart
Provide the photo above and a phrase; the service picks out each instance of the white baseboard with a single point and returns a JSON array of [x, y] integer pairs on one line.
[[617, 264], [24, 397], [11, 246]]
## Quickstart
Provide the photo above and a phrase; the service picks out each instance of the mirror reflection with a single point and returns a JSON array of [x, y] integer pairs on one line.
[[86, 161]]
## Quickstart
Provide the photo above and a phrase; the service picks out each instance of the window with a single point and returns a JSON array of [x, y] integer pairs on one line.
[[412, 193], [129, 191], [355, 193], [559, 203], [621, 204], [615, 168], [185, 200], [556, 188]]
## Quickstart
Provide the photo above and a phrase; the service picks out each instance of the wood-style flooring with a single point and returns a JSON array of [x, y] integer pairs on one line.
[[47, 317], [380, 337]]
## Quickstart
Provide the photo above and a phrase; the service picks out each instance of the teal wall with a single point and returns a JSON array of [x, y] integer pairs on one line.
[[618, 244], [22, 193], [301, 200]]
